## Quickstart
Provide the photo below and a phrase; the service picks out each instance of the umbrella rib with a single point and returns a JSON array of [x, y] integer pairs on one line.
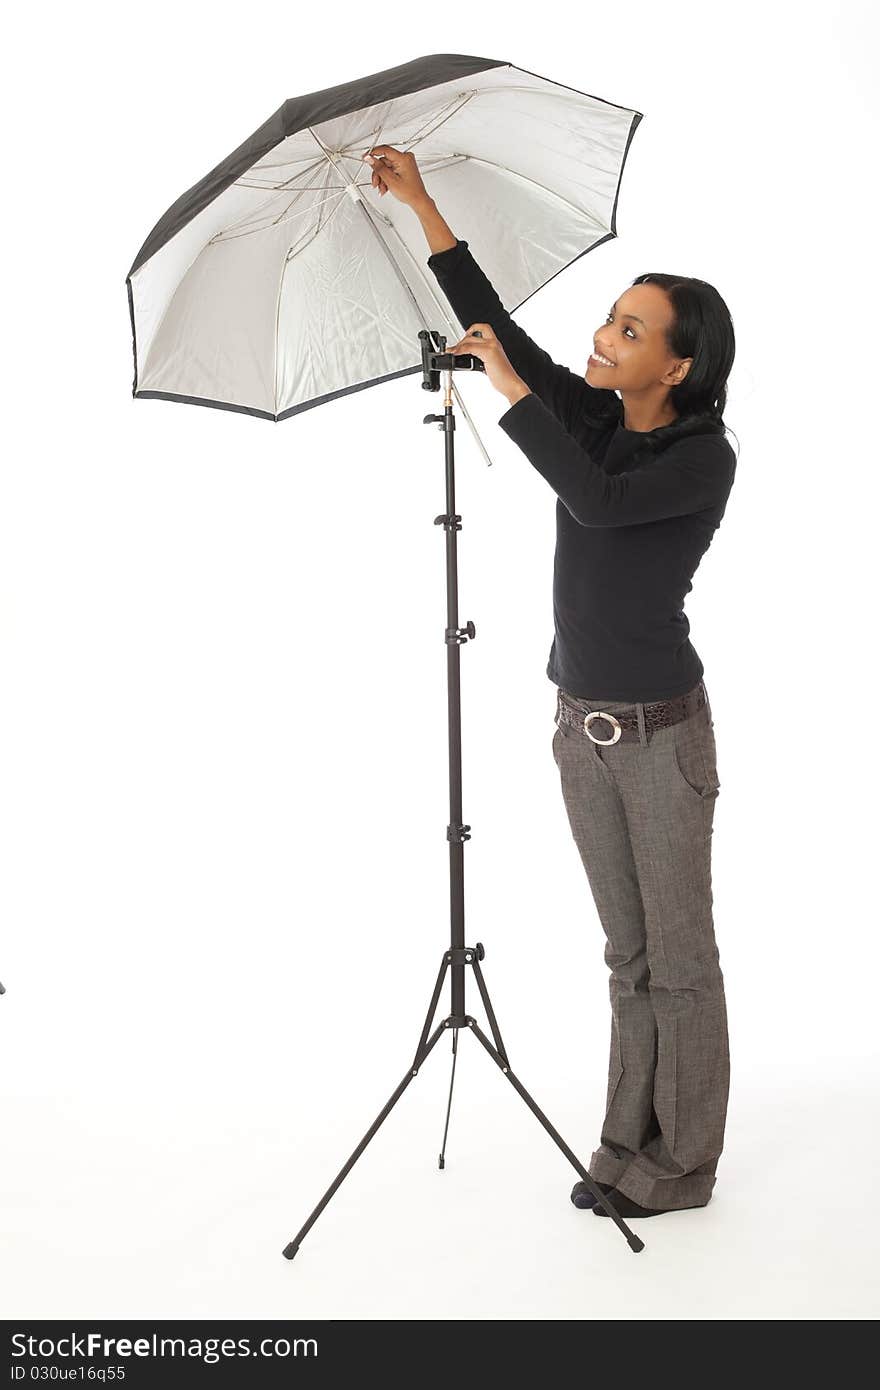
[[334, 197], [278, 187], [254, 212], [283, 183]]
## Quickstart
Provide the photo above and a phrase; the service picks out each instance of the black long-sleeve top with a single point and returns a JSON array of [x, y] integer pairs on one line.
[[629, 537]]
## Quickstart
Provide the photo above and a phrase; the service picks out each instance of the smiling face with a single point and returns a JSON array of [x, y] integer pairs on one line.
[[633, 338]]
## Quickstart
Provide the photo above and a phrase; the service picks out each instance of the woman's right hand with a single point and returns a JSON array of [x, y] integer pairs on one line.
[[398, 172]]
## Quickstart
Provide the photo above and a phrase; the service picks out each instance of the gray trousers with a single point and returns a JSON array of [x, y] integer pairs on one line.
[[641, 815]]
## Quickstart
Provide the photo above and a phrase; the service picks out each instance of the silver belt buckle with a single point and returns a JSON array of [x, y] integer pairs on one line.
[[597, 714]]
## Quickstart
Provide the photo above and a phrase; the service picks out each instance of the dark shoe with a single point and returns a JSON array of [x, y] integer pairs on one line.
[[627, 1208], [583, 1197]]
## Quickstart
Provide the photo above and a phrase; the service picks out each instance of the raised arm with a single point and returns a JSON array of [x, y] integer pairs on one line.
[[691, 475], [474, 299]]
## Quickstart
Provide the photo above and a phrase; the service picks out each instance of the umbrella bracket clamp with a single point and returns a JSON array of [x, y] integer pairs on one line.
[[448, 522], [456, 636], [435, 360]]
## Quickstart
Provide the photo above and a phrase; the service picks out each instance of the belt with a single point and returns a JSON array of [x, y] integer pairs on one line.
[[659, 714]]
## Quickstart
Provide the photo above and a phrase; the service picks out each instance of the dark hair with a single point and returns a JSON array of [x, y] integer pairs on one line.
[[702, 329]]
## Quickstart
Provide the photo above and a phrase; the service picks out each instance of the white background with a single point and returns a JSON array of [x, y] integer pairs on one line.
[[223, 794]]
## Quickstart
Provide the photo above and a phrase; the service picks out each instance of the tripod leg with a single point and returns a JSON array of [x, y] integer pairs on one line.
[[432, 1009], [291, 1249], [490, 1012], [442, 1163], [632, 1240]]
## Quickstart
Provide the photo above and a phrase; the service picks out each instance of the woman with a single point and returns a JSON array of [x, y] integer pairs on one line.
[[642, 481]]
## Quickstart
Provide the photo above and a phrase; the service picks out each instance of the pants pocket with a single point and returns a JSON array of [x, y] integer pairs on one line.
[[694, 758]]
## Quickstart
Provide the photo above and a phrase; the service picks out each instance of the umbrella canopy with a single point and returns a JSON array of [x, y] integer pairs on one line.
[[278, 282]]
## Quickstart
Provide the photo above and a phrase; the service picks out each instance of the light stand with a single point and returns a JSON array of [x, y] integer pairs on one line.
[[459, 956]]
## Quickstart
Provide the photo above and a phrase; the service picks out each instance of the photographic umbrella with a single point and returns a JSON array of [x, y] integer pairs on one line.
[[278, 283]]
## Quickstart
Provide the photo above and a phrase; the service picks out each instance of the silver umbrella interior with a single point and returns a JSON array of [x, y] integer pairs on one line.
[[292, 285]]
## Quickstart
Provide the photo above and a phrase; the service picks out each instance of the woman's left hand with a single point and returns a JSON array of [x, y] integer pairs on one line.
[[494, 359]]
